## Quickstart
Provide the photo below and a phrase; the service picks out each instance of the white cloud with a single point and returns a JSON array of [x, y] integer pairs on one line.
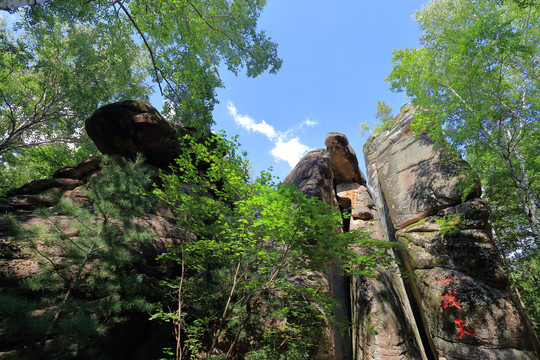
[[291, 151], [250, 124], [308, 123]]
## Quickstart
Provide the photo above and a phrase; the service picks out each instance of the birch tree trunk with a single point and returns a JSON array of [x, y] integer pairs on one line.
[[530, 203]]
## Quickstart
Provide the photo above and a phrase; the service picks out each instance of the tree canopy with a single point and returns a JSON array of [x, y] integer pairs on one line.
[[186, 42], [64, 59]]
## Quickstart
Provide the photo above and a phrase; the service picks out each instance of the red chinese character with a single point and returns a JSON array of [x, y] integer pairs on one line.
[[445, 281], [450, 300], [460, 327]]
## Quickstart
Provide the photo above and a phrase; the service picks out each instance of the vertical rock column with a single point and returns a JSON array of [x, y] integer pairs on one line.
[[457, 287], [382, 326], [313, 176]]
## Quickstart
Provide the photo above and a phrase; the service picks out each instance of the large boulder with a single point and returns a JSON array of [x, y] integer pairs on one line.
[[413, 176], [381, 316], [313, 176], [132, 127], [343, 159], [382, 321]]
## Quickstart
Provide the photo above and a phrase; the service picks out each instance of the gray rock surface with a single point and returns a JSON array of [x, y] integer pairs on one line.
[[449, 299], [457, 287], [382, 319], [343, 159], [131, 127], [314, 177]]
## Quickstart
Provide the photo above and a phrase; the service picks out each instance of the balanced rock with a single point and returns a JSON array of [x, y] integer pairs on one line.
[[343, 159], [313, 176], [376, 306], [131, 127]]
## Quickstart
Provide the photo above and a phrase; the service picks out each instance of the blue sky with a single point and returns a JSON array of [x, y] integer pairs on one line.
[[336, 55]]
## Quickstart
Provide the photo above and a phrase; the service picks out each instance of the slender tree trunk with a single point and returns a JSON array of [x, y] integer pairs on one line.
[[179, 352], [530, 200], [15, 4], [215, 337]]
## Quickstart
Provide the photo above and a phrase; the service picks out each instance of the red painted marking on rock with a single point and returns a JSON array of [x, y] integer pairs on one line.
[[450, 300], [461, 327], [445, 281]]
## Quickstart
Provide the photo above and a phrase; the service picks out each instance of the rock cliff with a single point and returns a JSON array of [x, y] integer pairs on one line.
[[457, 289], [450, 297]]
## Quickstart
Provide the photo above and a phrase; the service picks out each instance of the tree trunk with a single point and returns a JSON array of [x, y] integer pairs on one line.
[[15, 4], [530, 200]]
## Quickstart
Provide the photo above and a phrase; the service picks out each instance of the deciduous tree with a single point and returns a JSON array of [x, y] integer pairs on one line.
[[67, 58], [251, 285], [477, 78], [186, 41], [53, 75]]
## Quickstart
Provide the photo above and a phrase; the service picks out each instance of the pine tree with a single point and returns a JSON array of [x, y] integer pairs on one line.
[[87, 278]]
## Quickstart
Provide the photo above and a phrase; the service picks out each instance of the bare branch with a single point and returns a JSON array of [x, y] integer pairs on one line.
[[144, 40]]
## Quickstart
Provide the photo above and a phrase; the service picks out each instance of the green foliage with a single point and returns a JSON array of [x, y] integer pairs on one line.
[[475, 79], [250, 285], [31, 163], [451, 225], [87, 260], [186, 42], [65, 58], [364, 127], [525, 274], [55, 74], [386, 119], [419, 222]]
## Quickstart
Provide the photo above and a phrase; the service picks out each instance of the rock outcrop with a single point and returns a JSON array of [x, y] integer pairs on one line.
[[456, 286], [125, 129], [381, 318], [137, 338], [450, 298], [314, 177], [132, 127]]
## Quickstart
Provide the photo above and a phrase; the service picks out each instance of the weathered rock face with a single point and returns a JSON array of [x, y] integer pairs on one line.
[[126, 129], [313, 176], [449, 300], [343, 159], [457, 288], [382, 320], [138, 338], [131, 127], [414, 179]]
